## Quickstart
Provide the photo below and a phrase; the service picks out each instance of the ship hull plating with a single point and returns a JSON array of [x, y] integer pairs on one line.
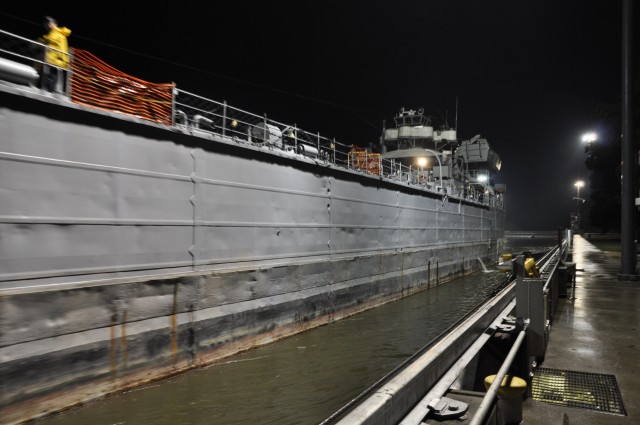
[[131, 251]]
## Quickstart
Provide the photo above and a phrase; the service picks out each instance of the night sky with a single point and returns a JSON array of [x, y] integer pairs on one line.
[[529, 75]]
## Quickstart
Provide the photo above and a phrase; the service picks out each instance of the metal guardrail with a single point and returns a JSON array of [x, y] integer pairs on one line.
[[536, 301], [334, 417], [535, 325], [20, 49], [492, 392], [191, 111], [28, 52]]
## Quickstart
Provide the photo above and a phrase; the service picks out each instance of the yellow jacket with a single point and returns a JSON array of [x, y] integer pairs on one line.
[[57, 39]]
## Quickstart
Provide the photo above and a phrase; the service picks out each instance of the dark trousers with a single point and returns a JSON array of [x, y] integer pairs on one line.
[[53, 79]]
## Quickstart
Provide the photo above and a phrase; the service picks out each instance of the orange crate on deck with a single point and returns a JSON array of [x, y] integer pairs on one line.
[[360, 159]]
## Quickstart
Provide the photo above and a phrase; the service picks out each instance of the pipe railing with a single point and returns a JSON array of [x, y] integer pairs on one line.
[[196, 113], [550, 262], [244, 126], [27, 52], [492, 392]]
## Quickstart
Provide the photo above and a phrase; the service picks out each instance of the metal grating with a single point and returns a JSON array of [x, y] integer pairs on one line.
[[593, 391]]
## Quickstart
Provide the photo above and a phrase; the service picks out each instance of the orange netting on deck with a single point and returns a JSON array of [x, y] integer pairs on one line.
[[96, 84]]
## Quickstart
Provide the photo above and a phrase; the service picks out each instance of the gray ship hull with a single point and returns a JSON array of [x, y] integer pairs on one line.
[[131, 251]]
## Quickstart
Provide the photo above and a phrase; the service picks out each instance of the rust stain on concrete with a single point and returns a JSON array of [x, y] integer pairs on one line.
[[173, 323], [113, 345], [123, 339]]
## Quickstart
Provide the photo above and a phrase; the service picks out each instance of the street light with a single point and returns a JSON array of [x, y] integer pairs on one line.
[[589, 137], [422, 161], [578, 184], [439, 164]]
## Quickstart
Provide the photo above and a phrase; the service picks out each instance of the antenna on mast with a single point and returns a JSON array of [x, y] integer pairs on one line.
[[456, 113]]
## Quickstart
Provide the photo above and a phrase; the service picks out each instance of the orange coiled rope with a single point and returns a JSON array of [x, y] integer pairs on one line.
[[96, 84]]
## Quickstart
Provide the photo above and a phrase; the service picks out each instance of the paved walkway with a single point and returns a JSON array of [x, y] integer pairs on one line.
[[596, 331]]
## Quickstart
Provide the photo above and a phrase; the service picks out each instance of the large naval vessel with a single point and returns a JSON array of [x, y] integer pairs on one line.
[[147, 230]]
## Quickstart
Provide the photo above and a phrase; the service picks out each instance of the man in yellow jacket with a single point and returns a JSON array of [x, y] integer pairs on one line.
[[56, 57]]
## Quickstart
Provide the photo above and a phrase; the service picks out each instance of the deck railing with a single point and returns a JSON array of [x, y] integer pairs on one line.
[[193, 112]]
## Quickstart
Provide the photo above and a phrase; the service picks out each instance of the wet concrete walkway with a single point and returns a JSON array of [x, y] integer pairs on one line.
[[595, 330]]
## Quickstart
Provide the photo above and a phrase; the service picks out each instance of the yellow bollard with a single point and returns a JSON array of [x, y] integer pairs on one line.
[[509, 397]]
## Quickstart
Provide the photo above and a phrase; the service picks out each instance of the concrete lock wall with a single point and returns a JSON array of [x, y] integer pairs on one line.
[[131, 251]]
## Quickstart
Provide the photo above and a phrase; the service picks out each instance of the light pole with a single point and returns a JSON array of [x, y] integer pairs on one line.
[[587, 139], [578, 184], [439, 165], [422, 161]]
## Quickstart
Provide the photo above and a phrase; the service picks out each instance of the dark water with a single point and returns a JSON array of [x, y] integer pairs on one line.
[[302, 379], [532, 245]]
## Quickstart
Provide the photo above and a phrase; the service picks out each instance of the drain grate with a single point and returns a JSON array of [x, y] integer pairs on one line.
[[583, 390]]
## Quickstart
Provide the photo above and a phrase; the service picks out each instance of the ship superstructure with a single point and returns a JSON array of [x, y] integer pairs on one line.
[[438, 160]]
